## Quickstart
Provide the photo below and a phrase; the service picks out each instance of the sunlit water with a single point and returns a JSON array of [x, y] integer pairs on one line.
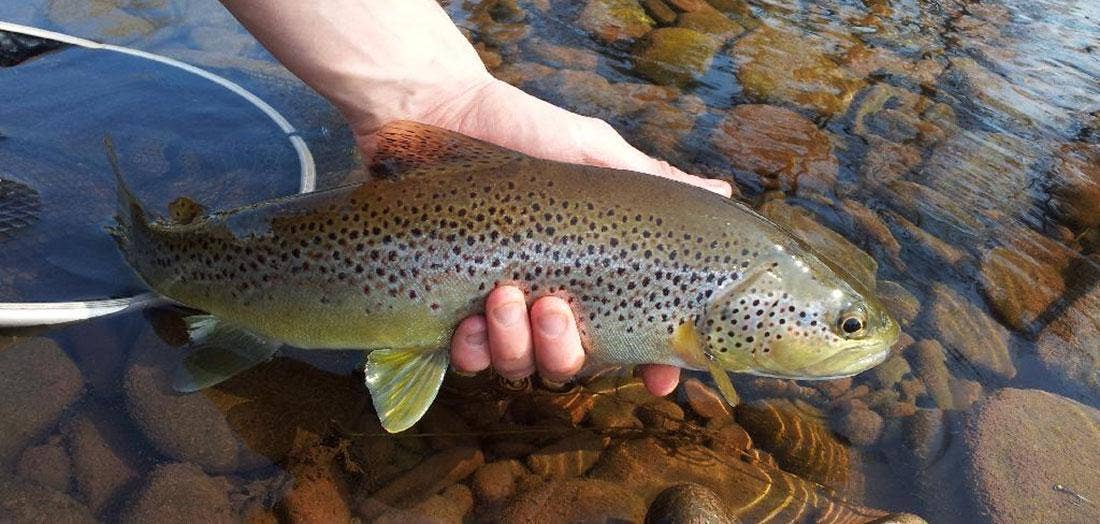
[[947, 151]]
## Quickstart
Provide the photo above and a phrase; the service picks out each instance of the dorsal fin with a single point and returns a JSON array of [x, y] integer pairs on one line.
[[183, 210], [404, 147]]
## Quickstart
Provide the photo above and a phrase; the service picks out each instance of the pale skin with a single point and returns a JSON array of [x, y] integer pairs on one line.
[[385, 60]]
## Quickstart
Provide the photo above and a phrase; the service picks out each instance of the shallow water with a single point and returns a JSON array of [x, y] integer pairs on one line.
[[948, 151]]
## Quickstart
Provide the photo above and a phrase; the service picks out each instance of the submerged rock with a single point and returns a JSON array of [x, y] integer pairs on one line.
[[48, 464], [180, 493], [780, 148], [675, 56], [797, 435], [974, 339], [898, 301], [614, 20], [687, 504], [711, 22], [1019, 287], [704, 400], [1033, 458], [568, 457], [930, 362], [38, 381], [780, 65], [1069, 346], [31, 502], [495, 482], [1076, 180], [104, 462], [577, 500]]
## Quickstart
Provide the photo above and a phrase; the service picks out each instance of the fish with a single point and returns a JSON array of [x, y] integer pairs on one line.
[[656, 271]]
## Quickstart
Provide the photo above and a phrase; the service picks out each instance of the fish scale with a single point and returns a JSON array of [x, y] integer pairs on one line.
[[655, 270]]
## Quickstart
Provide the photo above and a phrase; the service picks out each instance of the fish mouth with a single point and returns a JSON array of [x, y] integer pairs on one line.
[[836, 365]]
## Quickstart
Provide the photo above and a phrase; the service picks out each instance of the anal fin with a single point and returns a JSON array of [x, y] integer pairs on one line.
[[725, 386], [403, 383], [219, 350]]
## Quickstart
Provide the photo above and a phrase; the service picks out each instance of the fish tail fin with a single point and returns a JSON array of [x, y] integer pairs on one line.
[[130, 222]]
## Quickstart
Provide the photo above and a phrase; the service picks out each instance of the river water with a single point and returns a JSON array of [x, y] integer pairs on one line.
[[945, 152]]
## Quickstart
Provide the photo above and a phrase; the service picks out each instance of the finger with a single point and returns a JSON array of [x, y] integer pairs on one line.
[[470, 345], [509, 333], [558, 351], [660, 379]]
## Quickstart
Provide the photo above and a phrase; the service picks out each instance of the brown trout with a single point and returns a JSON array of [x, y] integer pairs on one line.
[[656, 271]]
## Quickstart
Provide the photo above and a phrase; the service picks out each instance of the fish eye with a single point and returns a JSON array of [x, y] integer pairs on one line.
[[852, 323]]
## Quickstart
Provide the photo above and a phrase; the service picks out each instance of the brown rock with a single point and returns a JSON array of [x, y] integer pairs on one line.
[[891, 372], [929, 360], [935, 251], [431, 476], [450, 506], [1013, 470], [660, 11], [660, 413], [704, 401], [48, 464], [1069, 346], [689, 6], [567, 458], [614, 20], [925, 436], [30, 502], [102, 468], [1076, 179], [727, 438], [687, 504], [38, 382], [710, 21], [564, 56], [180, 493], [834, 388], [675, 56], [784, 66], [578, 500], [969, 333], [817, 455], [966, 392], [319, 493], [495, 482], [782, 149], [861, 427]]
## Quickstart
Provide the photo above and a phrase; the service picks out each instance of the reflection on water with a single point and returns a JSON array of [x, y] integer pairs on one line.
[[946, 149]]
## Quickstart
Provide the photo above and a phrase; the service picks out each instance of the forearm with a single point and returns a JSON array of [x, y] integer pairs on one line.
[[376, 60]]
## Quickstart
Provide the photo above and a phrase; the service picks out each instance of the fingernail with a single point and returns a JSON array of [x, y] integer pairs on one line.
[[551, 325], [477, 338], [509, 314]]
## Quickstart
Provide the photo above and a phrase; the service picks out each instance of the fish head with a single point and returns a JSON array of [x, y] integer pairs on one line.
[[792, 315]]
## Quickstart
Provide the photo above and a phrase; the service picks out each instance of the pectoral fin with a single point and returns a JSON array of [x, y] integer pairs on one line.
[[403, 383], [219, 351], [725, 386]]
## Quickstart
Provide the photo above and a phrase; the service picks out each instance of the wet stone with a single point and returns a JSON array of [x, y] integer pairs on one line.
[[614, 20], [860, 426], [33, 372], [1076, 180], [797, 435], [31, 502], [104, 463], [780, 65], [704, 400], [431, 476], [779, 148], [1015, 475], [710, 22], [660, 11], [318, 493], [569, 457], [925, 436], [675, 56], [930, 248], [609, 412], [577, 500], [1018, 286], [661, 413], [1069, 346], [688, 504], [495, 482], [929, 360], [179, 493], [565, 57], [891, 372], [48, 464], [977, 341]]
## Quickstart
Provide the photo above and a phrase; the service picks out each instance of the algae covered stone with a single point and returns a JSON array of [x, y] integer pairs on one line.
[[614, 20], [675, 56]]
